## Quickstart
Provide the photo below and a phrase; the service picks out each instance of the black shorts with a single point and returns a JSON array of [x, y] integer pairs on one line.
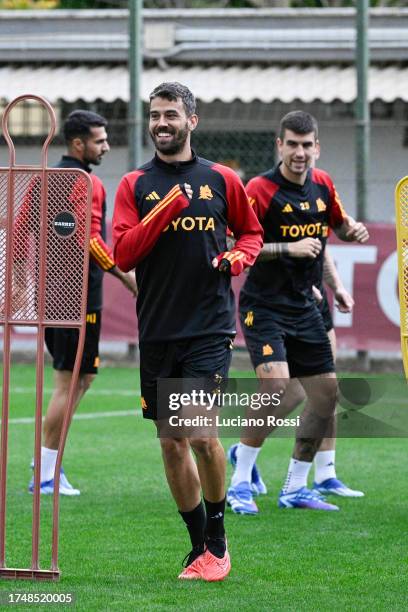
[[273, 335], [206, 357], [62, 344], [326, 312]]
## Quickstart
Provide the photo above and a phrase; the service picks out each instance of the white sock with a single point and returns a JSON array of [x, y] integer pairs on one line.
[[246, 457], [325, 467], [297, 475], [48, 461]]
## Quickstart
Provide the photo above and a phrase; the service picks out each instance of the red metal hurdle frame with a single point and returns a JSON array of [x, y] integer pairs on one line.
[[46, 217]]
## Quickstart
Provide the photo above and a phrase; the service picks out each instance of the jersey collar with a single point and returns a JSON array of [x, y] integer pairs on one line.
[[73, 162], [176, 167]]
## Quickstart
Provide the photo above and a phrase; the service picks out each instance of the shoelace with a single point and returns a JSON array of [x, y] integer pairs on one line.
[[313, 495], [192, 555], [245, 494]]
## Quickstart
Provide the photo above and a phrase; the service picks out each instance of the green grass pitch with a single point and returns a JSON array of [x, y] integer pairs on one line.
[[122, 541]]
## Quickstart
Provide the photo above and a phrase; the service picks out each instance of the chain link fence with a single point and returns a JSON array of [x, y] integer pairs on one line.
[[243, 136]]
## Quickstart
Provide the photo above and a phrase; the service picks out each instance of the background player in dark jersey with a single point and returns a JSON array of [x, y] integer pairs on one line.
[[242, 457], [284, 330], [185, 304], [87, 142]]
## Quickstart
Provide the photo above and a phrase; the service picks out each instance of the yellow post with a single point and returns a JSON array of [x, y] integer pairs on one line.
[[401, 222]]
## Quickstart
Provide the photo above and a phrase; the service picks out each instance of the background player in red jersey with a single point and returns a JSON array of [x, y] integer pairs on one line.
[[87, 142], [285, 333], [185, 304]]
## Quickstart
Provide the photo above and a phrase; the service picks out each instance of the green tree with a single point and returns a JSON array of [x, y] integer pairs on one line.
[[28, 4]]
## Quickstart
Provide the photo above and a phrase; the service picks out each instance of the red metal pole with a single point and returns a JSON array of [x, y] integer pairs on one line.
[[61, 447], [52, 257], [6, 358]]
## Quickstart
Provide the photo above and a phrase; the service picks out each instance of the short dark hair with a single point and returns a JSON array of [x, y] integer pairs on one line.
[[298, 122], [78, 124], [174, 90]]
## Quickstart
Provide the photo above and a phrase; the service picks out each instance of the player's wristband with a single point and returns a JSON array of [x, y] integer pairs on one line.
[[224, 265]]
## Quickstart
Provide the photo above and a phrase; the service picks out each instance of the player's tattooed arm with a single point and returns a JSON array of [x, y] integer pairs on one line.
[[307, 247], [270, 250], [273, 250]]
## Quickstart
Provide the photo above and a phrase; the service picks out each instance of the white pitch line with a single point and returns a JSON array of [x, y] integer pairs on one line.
[[83, 417], [123, 392], [136, 392]]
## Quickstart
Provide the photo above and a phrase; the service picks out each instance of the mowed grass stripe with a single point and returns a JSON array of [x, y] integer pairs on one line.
[[86, 416], [108, 392]]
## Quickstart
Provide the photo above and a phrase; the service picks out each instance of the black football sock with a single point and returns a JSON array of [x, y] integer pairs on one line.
[[195, 521], [214, 531]]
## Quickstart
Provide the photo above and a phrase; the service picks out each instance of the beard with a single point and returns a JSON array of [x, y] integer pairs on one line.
[[91, 158], [95, 161], [175, 144], [293, 166]]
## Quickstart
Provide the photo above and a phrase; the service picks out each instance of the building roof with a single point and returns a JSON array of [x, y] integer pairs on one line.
[[197, 36], [245, 54], [225, 83]]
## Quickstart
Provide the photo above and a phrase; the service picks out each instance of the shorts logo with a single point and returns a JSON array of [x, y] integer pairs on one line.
[[249, 319], [251, 201], [143, 403], [287, 208], [153, 196], [205, 193], [91, 317], [218, 378], [321, 206], [96, 362], [267, 350]]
